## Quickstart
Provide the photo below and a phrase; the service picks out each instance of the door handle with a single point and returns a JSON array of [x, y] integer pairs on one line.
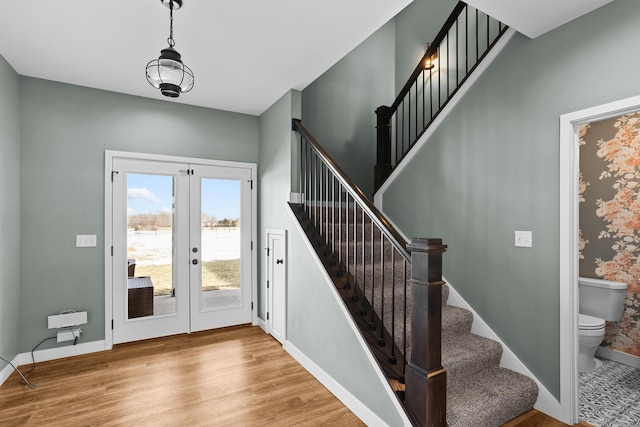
[[279, 261]]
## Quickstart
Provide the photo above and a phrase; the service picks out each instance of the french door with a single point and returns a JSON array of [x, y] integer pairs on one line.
[[182, 259]]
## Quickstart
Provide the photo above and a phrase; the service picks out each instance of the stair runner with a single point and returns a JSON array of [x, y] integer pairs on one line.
[[479, 392]]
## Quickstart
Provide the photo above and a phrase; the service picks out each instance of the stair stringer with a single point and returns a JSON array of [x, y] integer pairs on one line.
[[545, 403], [358, 408], [473, 77]]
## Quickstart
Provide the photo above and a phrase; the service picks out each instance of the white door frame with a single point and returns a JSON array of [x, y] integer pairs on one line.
[[109, 155], [280, 335], [569, 224]]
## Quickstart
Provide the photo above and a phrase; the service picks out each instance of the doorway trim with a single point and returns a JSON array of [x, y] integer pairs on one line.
[[569, 224], [109, 155]]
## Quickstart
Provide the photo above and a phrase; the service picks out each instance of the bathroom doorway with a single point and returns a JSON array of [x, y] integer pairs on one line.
[[570, 126]]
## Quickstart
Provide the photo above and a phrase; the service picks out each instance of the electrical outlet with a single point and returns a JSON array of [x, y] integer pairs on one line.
[[524, 239], [69, 335]]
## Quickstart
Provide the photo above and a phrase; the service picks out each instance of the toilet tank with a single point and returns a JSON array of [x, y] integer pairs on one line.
[[602, 298]]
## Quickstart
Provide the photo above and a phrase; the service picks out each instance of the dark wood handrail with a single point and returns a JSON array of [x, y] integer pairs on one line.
[[433, 48], [376, 216]]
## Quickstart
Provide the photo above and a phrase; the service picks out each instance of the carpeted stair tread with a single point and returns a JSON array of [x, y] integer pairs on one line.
[[466, 355], [490, 398], [445, 295], [455, 321]]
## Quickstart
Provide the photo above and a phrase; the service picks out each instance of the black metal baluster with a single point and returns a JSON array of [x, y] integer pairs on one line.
[[457, 52], [404, 320], [339, 228], [354, 296], [381, 340], [448, 67], [333, 215], [416, 118], [372, 304], [347, 284], [477, 36], [439, 82], [326, 210], [424, 111], [314, 171], [466, 44], [430, 95], [392, 357], [488, 35], [362, 266], [397, 160], [319, 206]]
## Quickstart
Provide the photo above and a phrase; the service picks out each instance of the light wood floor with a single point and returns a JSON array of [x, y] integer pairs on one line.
[[230, 377]]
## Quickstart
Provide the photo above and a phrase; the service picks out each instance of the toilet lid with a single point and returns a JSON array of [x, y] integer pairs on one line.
[[590, 322]]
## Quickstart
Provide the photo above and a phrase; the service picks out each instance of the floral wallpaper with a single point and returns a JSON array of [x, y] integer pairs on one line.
[[610, 217]]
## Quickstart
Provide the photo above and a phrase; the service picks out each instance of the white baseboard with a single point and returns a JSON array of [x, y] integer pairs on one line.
[[8, 370], [618, 356], [546, 402], [349, 400], [62, 352], [52, 354]]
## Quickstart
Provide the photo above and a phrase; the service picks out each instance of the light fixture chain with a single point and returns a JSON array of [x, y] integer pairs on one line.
[[170, 39]]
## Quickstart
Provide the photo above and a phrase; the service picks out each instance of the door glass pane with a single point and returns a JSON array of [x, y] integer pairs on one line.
[[220, 241], [150, 245]]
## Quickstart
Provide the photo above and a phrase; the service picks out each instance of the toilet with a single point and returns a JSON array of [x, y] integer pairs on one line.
[[600, 301]]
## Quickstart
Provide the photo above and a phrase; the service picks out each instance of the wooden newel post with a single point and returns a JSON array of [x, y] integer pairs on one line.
[[383, 158], [425, 378]]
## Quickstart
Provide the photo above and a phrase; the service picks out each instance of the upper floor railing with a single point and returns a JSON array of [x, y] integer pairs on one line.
[[462, 43]]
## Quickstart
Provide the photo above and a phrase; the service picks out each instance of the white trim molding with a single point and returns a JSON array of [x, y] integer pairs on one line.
[[109, 155], [569, 224]]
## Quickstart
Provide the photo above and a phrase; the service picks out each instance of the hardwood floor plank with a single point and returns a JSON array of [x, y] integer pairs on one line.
[[230, 377]]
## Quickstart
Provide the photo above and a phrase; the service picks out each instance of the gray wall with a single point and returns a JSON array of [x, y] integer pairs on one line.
[[416, 26], [492, 168], [339, 106], [9, 211], [64, 131], [315, 323]]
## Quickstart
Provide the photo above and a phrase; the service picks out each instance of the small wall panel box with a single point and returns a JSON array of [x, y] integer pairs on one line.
[[67, 319]]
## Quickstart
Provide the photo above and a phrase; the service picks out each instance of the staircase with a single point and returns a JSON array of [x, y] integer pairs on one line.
[[479, 392], [370, 267]]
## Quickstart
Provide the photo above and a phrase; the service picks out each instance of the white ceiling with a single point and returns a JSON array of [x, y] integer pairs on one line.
[[535, 17], [245, 54]]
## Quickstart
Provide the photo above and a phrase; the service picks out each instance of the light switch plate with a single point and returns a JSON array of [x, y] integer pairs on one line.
[[85, 241], [524, 239]]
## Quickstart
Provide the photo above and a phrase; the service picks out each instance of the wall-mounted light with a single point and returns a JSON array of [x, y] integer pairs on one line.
[[430, 58], [168, 73]]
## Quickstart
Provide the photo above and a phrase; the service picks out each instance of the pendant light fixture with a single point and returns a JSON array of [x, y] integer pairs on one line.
[[168, 73]]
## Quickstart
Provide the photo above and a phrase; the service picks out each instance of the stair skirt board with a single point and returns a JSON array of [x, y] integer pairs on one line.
[[355, 408]]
